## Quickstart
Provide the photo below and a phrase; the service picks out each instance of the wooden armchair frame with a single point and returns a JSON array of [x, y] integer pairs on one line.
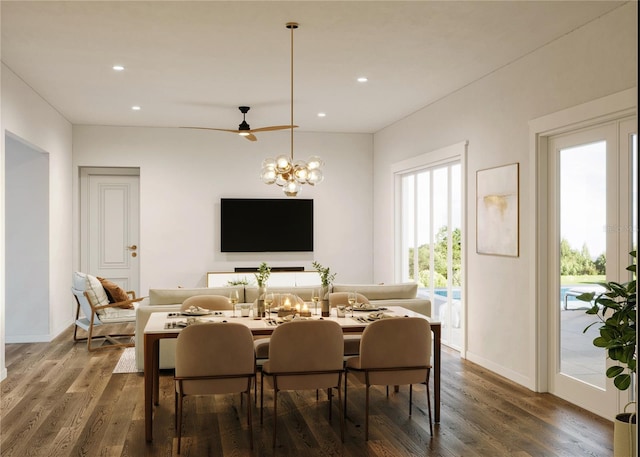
[[92, 320]]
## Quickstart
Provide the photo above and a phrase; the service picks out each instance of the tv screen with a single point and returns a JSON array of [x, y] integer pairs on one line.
[[266, 225]]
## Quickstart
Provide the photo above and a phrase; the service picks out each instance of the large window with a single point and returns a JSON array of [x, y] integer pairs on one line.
[[430, 244]]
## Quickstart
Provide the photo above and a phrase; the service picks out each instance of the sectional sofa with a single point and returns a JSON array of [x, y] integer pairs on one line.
[[169, 300]]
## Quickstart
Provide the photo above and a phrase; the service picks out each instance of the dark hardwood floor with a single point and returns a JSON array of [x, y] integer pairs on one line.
[[59, 400]]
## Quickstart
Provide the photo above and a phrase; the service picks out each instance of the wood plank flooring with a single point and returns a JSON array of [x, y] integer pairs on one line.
[[60, 400]]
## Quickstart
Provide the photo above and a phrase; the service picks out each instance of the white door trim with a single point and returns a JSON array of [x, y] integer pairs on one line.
[[612, 107], [85, 173]]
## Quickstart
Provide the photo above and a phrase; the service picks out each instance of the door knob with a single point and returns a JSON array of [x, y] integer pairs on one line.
[[133, 247]]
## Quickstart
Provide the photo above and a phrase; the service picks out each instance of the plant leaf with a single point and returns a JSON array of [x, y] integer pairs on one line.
[[622, 382], [614, 371]]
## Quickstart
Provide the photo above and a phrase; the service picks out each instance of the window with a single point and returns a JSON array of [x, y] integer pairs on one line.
[[429, 241]]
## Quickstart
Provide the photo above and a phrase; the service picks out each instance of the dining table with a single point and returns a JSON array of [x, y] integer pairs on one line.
[[163, 325]]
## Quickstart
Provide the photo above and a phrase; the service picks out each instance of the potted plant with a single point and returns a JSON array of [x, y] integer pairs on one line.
[[615, 309], [326, 278], [264, 271]]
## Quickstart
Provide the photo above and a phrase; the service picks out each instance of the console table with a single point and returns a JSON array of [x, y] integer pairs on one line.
[[276, 278]]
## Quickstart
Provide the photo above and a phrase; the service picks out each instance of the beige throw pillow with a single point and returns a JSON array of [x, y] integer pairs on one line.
[[93, 287]]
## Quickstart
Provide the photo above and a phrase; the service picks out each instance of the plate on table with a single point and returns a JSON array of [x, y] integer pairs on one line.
[[196, 312], [365, 307]]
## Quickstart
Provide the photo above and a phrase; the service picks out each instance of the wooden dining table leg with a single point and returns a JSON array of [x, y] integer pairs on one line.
[[437, 359], [151, 382]]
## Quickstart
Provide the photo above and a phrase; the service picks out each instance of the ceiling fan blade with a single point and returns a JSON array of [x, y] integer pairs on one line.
[[273, 127], [251, 137], [209, 128]]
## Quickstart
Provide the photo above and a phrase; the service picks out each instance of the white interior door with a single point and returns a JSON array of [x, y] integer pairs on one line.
[[109, 214], [591, 179]]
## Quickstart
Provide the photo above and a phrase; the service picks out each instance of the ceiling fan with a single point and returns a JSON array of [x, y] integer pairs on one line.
[[244, 129]]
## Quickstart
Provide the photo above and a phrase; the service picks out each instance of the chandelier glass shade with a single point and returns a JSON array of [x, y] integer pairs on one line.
[[284, 171]]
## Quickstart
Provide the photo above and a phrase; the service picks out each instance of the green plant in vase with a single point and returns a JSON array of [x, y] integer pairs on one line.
[[615, 309], [264, 271], [326, 278]]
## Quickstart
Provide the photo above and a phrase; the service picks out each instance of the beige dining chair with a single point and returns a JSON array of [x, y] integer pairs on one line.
[[351, 340], [212, 302], [214, 358], [393, 351], [303, 355]]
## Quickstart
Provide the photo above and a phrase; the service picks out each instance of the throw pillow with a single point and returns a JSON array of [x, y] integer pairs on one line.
[[93, 287], [115, 292]]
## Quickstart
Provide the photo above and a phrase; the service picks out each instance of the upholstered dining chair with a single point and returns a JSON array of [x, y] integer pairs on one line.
[[393, 351], [97, 311], [212, 302], [303, 355], [351, 340], [214, 358], [261, 344]]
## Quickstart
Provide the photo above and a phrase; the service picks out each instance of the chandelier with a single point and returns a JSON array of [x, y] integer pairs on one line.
[[283, 170]]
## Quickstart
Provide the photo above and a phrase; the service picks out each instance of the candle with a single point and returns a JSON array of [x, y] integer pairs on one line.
[[298, 307], [287, 304], [305, 307]]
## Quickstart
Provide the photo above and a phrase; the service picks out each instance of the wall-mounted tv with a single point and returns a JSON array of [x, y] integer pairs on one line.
[[266, 225]]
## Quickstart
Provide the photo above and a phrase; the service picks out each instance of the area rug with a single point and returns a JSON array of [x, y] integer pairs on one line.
[[127, 362]]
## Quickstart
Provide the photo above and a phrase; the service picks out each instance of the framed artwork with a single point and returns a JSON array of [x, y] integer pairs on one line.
[[497, 211]]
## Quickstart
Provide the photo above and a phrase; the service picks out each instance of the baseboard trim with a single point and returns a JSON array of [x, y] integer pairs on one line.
[[502, 371], [19, 339]]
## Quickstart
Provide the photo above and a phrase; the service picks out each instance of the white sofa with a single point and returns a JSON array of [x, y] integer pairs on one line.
[[169, 300], [402, 294]]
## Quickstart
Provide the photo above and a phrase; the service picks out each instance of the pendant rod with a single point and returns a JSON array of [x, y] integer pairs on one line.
[[292, 26]]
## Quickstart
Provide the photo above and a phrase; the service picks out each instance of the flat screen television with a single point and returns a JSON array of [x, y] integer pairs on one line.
[[266, 225]]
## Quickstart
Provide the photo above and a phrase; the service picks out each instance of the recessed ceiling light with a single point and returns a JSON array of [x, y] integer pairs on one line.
[[118, 67], [135, 108], [322, 114], [362, 79]]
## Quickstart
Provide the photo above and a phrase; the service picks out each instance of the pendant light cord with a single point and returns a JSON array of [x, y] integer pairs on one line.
[[292, 27]]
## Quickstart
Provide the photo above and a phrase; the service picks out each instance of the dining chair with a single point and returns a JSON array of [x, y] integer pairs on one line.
[[213, 358], [351, 340], [212, 302], [303, 355], [92, 300], [393, 351], [261, 344]]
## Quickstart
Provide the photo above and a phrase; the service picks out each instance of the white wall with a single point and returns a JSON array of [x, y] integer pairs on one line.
[[27, 242], [29, 117], [184, 173], [493, 114]]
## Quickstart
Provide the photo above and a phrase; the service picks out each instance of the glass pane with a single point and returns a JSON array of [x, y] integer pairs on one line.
[[582, 257], [440, 242], [408, 227], [423, 227], [456, 244]]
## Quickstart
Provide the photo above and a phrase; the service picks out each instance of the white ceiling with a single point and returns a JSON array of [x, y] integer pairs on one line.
[[194, 63]]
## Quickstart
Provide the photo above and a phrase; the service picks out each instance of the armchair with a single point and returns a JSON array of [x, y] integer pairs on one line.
[[92, 300]]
